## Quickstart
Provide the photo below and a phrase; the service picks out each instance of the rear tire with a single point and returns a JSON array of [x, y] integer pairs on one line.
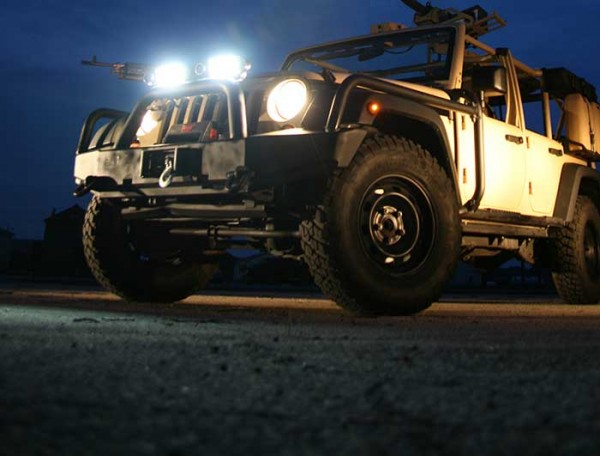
[[387, 237], [576, 273], [120, 268]]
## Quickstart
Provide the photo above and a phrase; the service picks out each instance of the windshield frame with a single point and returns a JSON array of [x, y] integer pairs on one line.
[[452, 65]]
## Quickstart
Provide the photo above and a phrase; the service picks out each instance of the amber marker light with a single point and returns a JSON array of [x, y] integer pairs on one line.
[[373, 107]]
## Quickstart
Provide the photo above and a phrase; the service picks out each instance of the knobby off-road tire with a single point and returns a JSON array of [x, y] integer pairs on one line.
[[121, 269], [387, 237], [576, 274]]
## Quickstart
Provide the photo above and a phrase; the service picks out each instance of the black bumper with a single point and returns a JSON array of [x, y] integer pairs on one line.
[[285, 158]]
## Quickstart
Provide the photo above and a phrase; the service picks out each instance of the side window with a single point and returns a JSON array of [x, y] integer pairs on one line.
[[534, 115], [495, 100], [495, 78], [496, 106], [535, 109]]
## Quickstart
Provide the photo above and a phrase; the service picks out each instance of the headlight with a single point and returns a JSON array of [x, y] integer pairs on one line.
[[287, 99], [169, 75]]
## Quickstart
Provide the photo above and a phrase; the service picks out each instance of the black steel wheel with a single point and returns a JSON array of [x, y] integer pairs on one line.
[[398, 223], [120, 267], [387, 237], [576, 272]]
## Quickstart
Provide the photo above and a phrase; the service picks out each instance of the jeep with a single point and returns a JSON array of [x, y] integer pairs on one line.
[[379, 160]]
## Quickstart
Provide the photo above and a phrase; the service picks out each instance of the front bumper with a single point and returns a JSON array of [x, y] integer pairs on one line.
[[280, 159]]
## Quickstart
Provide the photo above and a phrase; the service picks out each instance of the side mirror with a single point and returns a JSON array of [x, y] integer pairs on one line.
[[490, 79]]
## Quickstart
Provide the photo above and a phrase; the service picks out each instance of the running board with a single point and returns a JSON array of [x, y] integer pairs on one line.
[[488, 222], [480, 227]]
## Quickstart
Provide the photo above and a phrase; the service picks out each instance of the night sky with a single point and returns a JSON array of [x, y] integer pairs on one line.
[[46, 93]]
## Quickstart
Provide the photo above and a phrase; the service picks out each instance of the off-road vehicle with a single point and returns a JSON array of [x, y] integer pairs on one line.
[[379, 160]]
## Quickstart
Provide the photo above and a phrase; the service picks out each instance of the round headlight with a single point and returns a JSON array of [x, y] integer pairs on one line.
[[287, 99]]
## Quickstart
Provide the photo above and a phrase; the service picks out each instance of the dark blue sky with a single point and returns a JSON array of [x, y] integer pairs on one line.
[[46, 94]]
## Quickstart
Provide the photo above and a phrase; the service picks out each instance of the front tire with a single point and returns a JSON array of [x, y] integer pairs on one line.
[[387, 237], [576, 274], [120, 268]]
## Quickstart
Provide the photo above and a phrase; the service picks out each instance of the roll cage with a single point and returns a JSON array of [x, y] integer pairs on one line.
[[425, 55]]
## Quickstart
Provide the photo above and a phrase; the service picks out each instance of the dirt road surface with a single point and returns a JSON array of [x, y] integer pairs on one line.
[[82, 373]]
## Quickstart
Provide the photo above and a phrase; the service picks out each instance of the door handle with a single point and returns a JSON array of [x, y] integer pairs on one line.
[[557, 152], [514, 139]]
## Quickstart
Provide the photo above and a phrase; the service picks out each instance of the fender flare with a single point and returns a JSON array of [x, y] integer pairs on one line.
[[349, 141], [569, 189], [428, 116]]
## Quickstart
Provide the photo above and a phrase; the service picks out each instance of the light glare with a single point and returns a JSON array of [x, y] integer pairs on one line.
[[231, 67], [170, 75], [287, 100], [149, 123]]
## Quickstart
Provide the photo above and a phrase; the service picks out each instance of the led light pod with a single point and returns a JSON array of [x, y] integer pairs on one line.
[[229, 67], [170, 75]]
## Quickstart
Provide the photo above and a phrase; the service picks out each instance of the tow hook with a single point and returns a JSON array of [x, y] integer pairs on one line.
[[166, 177]]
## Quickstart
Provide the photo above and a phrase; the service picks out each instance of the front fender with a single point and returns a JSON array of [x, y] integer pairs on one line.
[[574, 178]]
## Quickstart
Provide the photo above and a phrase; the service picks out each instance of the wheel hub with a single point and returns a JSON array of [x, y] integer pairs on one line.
[[393, 223], [388, 225]]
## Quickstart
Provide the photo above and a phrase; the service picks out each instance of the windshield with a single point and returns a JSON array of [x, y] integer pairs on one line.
[[419, 56]]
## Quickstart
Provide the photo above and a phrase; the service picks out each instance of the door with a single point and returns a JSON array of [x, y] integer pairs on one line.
[[505, 165]]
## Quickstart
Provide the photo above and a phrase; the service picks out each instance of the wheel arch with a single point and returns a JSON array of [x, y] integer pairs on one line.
[[404, 118], [576, 180]]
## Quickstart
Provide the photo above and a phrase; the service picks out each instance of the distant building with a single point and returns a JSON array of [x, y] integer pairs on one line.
[[62, 250]]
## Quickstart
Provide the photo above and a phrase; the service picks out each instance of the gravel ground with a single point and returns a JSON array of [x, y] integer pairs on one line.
[[84, 374]]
